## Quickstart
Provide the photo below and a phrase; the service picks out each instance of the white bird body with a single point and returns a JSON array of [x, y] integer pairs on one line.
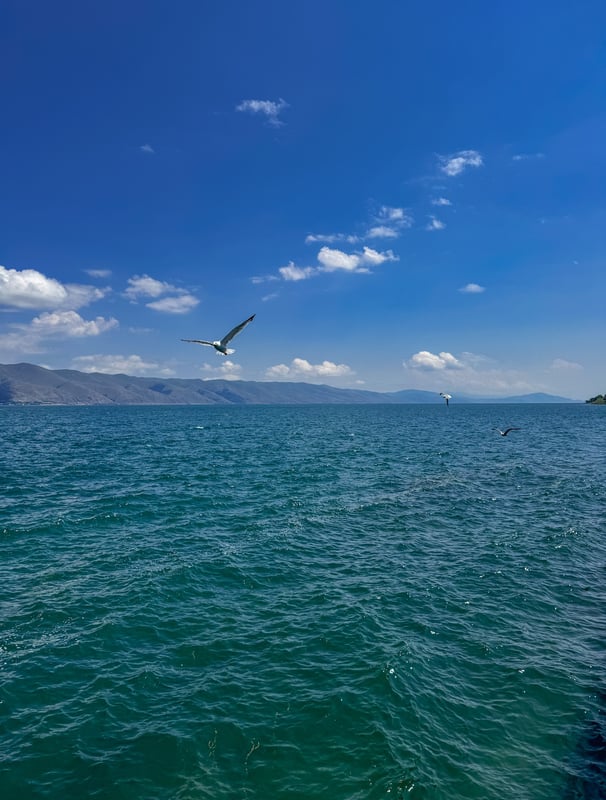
[[446, 397], [221, 345]]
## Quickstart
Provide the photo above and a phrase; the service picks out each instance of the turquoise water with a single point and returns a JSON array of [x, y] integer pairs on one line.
[[302, 602]]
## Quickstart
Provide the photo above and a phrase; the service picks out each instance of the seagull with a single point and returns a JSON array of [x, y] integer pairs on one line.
[[506, 431], [446, 397], [221, 345]]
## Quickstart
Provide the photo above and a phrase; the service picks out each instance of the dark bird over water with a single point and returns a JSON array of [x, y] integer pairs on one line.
[[506, 431], [446, 397], [221, 345]]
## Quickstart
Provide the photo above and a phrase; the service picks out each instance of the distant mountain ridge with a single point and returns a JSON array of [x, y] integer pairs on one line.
[[28, 384]]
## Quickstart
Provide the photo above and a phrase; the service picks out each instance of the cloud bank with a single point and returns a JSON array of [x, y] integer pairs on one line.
[[300, 367]]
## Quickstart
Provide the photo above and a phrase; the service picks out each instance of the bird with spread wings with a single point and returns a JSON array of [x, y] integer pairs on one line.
[[221, 345]]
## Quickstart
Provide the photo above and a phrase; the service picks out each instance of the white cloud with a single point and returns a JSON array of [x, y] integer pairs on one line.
[[174, 301], [527, 156], [456, 163], [374, 257], [32, 338], [394, 215], [278, 371], [98, 273], [562, 363], [256, 279], [390, 223], [472, 288], [332, 260], [147, 148], [383, 232], [69, 324], [114, 364], [435, 224], [300, 367], [472, 373], [29, 288], [430, 361], [266, 298], [180, 304], [228, 371], [144, 286], [293, 273], [268, 108], [441, 201], [20, 342], [79, 295], [331, 238]]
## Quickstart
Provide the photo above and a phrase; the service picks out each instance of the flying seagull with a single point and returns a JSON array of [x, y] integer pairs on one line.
[[221, 345], [446, 397], [506, 431]]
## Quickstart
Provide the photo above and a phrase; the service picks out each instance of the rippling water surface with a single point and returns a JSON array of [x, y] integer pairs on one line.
[[341, 602]]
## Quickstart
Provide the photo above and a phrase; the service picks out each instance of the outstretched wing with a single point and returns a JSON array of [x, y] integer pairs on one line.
[[199, 341], [234, 331], [506, 431]]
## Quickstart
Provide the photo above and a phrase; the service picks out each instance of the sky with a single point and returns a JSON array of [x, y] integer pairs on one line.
[[407, 195]]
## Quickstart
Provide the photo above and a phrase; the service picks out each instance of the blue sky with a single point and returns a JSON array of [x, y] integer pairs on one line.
[[406, 194]]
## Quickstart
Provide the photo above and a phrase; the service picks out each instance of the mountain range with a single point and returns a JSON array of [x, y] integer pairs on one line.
[[28, 384]]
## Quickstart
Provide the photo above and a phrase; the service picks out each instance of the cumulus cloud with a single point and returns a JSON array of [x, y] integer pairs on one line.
[[435, 224], [293, 273], [32, 338], [228, 371], [432, 361], [267, 108], [562, 363], [455, 164], [332, 260], [170, 299], [300, 367], [69, 324], [383, 232], [119, 364], [441, 201], [144, 286], [30, 289], [180, 304], [472, 288], [147, 148]]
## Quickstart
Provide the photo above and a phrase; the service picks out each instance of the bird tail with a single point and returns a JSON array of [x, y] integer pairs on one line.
[[229, 351]]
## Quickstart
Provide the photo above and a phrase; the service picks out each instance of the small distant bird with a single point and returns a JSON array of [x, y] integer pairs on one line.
[[446, 397], [221, 345], [506, 431]]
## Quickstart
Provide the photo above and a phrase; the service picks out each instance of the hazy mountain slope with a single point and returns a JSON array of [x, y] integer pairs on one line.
[[28, 384]]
